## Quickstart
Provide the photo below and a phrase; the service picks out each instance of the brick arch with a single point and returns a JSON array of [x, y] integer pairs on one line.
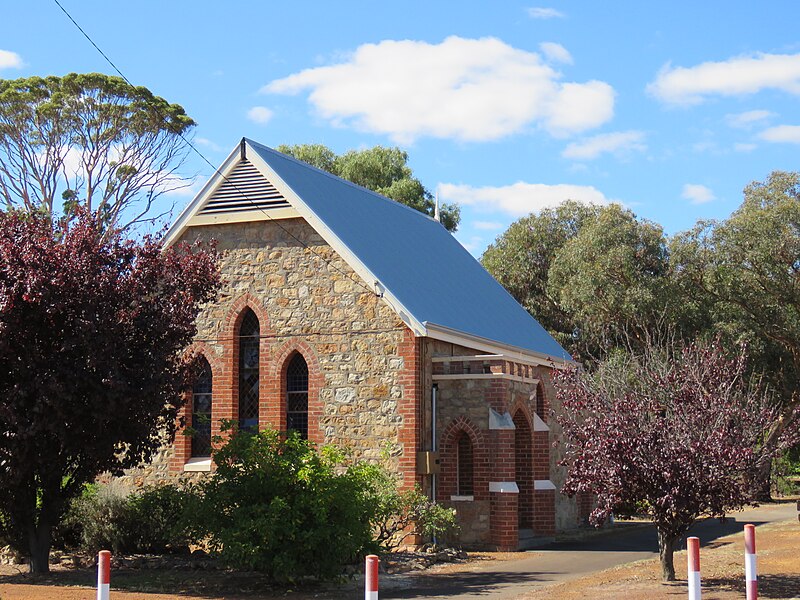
[[236, 310], [230, 356], [274, 409], [182, 446], [448, 478], [525, 409]]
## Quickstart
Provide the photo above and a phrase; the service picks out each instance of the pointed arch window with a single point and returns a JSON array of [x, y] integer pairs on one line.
[[249, 338], [201, 410], [465, 465], [297, 396]]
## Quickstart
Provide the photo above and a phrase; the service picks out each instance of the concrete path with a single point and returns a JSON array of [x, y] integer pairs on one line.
[[566, 560]]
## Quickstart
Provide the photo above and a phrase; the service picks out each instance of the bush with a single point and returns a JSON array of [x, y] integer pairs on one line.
[[276, 505], [399, 514], [110, 517], [103, 517], [159, 514]]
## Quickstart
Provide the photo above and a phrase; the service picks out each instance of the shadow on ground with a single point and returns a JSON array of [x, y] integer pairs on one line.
[[203, 584], [769, 586], [444, 585], [643, 538]]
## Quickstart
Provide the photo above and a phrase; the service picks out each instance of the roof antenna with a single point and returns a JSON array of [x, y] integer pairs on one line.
[[243, 149], [436, 215]]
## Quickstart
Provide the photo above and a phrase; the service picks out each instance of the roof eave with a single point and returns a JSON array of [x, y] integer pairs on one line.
[[446, 334]]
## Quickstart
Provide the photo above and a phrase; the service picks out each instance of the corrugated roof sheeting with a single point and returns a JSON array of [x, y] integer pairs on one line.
[[414, 257]]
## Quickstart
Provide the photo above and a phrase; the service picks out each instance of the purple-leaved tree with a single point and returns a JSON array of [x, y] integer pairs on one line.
[[675, 433], [92, 333]]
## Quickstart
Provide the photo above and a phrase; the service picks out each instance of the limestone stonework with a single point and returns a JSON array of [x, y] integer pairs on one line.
[[371, 383], [362, 358]]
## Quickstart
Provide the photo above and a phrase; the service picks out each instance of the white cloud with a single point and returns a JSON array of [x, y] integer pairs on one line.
[[259, 114], [10, 60], [556, 52], [697, 194], [736, 76], [472, 244], [742, 147], [789, 134], [465, 89], [620, 143], [540, 12], [747, 119], [488, 225], [520, 198], [201, 141]]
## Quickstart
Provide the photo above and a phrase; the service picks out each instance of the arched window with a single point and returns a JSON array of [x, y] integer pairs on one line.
[[249, 338], [464, 469], [201, 410], [297, 396]]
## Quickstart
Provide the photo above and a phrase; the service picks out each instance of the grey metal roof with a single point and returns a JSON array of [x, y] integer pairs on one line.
[[414, 257]]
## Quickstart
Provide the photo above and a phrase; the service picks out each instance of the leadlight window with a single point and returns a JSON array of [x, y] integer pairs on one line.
[[297, 396], [249, 338], [201, 410], [465, 470]]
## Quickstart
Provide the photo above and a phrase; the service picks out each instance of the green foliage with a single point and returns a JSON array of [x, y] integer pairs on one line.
[[520, 259], [434, 520], [125, 140], [104, 518], [748, 266], [612, 277], [152, 520], [277, 506], [398, 514], [382, 170], [595, 277]]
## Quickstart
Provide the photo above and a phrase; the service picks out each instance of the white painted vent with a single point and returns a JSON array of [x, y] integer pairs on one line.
[[244, 189]]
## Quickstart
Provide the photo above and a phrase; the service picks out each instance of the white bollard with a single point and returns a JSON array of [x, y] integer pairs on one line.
[[103, 575], [693, 552], [750, 575], [371, 579]]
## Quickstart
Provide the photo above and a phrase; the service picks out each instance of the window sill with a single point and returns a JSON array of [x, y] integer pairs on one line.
[[197, 464], [462, 498]]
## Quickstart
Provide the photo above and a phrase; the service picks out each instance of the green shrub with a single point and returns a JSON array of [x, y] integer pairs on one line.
[[276, 505], [103, 516], [110, 517], [398, 514], [158, 514]]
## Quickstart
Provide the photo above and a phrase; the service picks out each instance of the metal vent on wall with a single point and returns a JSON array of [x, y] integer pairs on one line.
[[244, 189]]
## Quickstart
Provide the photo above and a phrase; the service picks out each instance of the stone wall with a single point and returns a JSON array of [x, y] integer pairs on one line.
[[363, 361]]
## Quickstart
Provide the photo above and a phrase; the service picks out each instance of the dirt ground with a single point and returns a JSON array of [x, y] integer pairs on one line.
[[721, 566], [721, 571]]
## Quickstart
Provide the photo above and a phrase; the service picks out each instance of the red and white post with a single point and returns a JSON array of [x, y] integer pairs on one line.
[[750, 574], [371, 579], [103, 575], [693, 552]]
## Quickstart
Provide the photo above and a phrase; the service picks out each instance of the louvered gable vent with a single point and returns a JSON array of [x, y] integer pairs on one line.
[[242, 190]]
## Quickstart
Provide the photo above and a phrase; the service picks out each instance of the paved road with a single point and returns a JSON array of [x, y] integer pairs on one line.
[[562, 561]]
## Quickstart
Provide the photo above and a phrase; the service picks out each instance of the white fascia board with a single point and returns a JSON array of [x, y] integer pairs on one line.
[[361, 270], [181, 223], [445, 334]]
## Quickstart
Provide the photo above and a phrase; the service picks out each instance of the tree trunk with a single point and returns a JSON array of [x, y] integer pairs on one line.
[[762, 482], [666, 548], [39, 540]]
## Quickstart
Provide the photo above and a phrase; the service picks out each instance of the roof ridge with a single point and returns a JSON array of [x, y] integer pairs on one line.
[[343, 180]]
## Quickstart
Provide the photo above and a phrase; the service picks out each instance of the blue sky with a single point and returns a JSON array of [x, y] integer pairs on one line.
[[505, 107]]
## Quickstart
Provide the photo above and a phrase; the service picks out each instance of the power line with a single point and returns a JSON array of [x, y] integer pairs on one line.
[[216, 170]]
